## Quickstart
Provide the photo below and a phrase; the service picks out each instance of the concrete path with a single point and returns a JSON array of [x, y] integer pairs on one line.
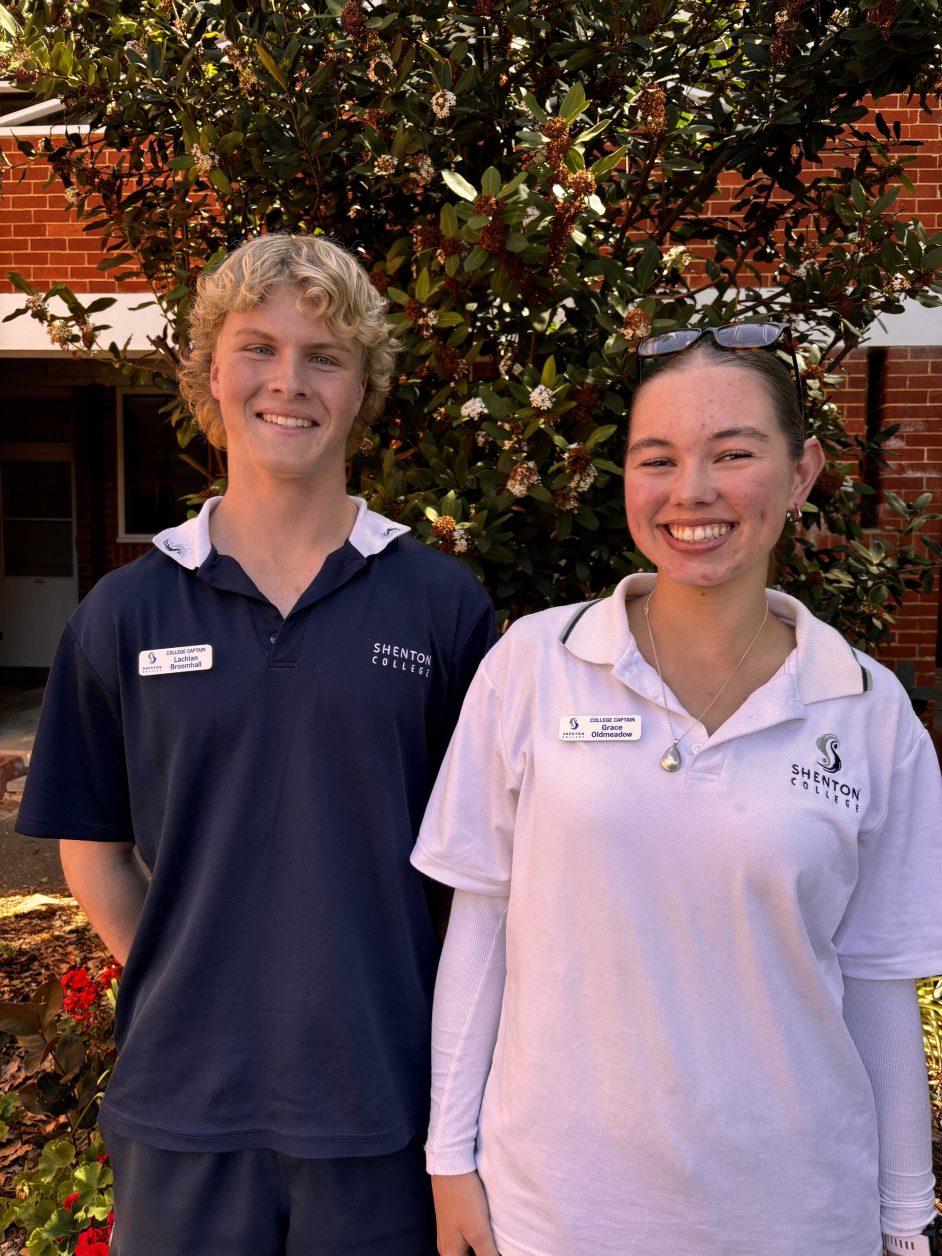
[[26, 864]]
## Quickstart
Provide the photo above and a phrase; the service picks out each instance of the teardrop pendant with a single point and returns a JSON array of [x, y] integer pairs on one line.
[[670, 759]]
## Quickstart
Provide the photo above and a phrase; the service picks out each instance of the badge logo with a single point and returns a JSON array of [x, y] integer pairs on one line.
[[830, 760]]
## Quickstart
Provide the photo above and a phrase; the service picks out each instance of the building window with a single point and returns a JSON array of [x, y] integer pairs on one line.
[[154, 476]]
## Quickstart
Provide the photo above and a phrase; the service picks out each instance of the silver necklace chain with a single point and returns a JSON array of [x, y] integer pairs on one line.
[[671, 760]]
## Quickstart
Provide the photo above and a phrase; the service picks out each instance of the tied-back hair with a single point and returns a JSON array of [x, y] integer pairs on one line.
[[330, 284], [777, 379]]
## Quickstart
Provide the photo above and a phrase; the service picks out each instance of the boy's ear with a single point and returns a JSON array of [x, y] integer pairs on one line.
[[214, 377]]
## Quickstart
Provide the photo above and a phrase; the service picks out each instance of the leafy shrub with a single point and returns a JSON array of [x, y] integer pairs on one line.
[[533, 187], [63, 1202]]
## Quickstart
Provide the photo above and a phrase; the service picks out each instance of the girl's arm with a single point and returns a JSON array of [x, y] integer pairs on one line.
[[468, 995], [884, 1022]]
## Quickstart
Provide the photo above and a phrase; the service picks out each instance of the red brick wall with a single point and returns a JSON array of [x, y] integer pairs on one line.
[[38, 236], [912, 397]]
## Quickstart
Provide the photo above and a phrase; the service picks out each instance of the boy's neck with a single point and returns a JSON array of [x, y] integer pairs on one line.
[[299, 521]]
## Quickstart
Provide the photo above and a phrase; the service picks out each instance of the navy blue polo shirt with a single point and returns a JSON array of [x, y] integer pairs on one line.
[[273, 774]]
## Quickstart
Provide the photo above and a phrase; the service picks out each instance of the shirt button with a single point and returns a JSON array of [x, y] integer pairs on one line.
[[697, 747], [273, 638]]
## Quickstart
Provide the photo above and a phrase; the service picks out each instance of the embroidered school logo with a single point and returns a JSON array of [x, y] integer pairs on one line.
[[823, 780], [830, 760], [402, 658], [172, 546]]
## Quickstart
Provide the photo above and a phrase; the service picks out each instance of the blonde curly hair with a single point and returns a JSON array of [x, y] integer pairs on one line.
[[331, 284]]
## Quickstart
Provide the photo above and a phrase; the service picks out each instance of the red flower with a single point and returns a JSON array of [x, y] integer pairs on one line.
[[76, 979], [107, 975], [70, 1201], [81, 993], [93, 1242], [103, 1159]]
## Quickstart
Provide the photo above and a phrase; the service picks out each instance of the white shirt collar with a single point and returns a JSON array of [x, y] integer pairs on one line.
[[189, 544], [828, 667]]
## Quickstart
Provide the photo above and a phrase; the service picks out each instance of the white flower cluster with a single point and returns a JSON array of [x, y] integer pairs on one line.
[[541, 398], [58, 332], [675, 258], [473, 408], [385, 164], [204, 163], [37, 305], [426, 321], [72, 196], [424, 170], [585, 479], [443, 103], [522, 478], [530, 213]]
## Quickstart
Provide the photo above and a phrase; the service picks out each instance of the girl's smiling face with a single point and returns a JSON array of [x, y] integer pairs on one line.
[[709, 475]]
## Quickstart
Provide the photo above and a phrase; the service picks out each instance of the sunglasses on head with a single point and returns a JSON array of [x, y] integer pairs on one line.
[[733, 336]]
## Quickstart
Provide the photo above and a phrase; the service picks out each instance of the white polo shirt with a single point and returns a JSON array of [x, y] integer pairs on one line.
[[672, 1071]]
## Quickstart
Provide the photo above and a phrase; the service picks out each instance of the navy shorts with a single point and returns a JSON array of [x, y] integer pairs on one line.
[[259, 1203]]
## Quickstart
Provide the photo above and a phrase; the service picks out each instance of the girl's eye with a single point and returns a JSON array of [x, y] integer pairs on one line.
[[735, 454], [656, 462]]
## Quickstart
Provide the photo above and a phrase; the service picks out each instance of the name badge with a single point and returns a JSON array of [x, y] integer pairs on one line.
[[176, 658], [600, 728]]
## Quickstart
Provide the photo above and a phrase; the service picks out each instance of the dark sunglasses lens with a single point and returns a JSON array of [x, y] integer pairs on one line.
[[667, 342], [748, 335]]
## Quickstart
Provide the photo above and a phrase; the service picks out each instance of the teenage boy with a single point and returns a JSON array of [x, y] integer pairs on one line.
[[238, 739]]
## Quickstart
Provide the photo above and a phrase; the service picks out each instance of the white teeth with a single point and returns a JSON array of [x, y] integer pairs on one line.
[[707, 532], [284, 420]]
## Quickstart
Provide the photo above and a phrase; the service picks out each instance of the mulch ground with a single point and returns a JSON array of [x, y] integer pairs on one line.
[[41, 936]]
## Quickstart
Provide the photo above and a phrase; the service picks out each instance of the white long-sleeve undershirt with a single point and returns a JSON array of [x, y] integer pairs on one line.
[[882, 1018]]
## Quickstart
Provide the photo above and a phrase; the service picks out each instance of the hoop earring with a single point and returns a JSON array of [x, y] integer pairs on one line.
[[793, 515]]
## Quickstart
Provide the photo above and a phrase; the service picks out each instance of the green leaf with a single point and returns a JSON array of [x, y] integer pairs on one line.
[[271, 65], [491, 181], [573, 103], [54, 1156], [548, 374], [459, 185], [609, 162], [475, 259], [448, 220], [584, 136], [601, 434], [20, 283], [423, 285], [507, 189], [7, 21], [533, 106]]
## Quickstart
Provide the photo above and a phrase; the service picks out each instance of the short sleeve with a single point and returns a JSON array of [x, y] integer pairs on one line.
[[471, 649], [892, 927], [77, 785], [466, 838]]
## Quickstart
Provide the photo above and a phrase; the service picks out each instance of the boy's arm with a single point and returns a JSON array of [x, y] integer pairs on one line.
[[110, 884]]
